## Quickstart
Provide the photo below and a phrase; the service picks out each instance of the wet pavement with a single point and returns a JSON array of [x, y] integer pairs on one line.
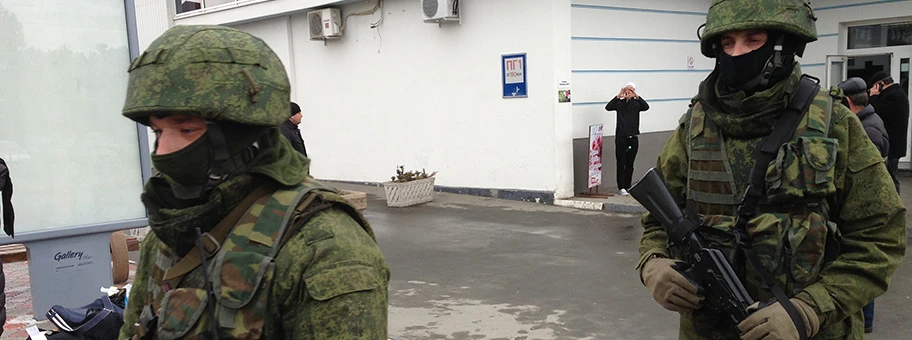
[[468, 267], [477, 268]]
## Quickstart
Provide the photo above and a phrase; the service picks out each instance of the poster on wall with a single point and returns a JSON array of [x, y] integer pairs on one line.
[[514, 75], [595, 155], [563, 91]]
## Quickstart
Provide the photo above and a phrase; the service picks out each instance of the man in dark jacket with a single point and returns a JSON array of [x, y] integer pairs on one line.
[[290, 129], [856, 99], [6, 192], [628, 105], [892, 104]]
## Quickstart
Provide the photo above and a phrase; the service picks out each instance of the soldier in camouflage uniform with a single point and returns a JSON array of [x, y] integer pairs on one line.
[[828, 227], [244, 243]]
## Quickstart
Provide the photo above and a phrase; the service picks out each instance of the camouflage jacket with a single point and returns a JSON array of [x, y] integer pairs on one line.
[[328, 281], [852, 189]]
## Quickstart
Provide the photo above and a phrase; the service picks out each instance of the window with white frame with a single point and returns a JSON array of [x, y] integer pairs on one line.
[[186, 6], [882, 35]]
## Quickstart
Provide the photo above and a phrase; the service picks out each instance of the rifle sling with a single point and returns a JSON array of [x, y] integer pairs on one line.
[[784, 128]]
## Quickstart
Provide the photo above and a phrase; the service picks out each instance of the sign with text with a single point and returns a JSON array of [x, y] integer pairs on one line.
[[514, 75], [595, 155]]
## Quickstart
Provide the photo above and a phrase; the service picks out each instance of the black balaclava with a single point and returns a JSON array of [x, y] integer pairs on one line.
[[187, 167], [204, 163], [757, 70]]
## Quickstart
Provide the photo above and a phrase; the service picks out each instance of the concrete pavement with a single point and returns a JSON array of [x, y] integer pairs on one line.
[[476, 268], [467, 267]]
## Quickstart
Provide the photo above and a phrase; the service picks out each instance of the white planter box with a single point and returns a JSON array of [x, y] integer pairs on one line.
[[403, 194]]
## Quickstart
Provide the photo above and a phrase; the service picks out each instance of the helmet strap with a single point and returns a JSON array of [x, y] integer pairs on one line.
[[221, 166]]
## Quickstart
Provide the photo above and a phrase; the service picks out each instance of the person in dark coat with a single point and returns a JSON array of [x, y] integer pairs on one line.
[[6, 192], [628, 105], [290, 129], [857, 100], [892, 104]]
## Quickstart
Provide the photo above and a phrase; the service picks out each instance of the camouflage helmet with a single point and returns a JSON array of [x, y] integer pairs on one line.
[[791, 16], [215, 72]]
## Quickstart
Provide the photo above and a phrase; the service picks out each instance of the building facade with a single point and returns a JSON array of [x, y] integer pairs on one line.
[[397, 89]]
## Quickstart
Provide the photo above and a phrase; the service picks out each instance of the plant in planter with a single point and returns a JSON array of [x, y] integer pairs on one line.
[[409, 188]]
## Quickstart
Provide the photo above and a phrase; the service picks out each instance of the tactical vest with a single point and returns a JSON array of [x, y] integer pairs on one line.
[[790, 231], [241, 271]]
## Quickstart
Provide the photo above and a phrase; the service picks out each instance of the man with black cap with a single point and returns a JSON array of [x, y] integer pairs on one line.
[[892, 104], [290, 129], [856, 99]]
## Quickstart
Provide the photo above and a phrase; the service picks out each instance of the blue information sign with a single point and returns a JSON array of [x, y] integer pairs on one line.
[[514, 75]]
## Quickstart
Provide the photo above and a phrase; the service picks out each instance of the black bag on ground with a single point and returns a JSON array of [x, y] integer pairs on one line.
[[99, 320]]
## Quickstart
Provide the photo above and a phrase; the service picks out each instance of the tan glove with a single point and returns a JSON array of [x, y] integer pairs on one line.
[[668, 287], [773, 322]]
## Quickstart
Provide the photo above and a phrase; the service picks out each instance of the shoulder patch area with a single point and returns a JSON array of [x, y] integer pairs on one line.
[[861, 151], [319, 227]]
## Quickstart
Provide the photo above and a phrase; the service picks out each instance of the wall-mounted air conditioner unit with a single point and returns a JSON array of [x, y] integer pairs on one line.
[[324, 24], [440, 10]]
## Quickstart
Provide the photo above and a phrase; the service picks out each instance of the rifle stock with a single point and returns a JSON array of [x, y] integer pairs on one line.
[[707, 268], [651, 192]]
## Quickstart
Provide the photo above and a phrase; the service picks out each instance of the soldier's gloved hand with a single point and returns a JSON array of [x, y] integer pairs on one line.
[[773, 322], [668, 287]]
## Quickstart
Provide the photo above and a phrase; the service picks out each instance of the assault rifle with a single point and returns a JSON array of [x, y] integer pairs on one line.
[[705, 268]]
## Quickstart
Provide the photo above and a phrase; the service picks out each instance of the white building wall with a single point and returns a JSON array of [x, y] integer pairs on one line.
[[276, 32], [416, 94], [561, 16], [152, 18], [412, 93], [648, 43], [615, 41]]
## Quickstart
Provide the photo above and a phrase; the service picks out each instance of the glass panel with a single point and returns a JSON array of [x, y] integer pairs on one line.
[[895, 34], [184, 6], [904, 74], [188, 5], [73, 158], [865, 37], [899, 34], [836, 69], [212, 3]]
